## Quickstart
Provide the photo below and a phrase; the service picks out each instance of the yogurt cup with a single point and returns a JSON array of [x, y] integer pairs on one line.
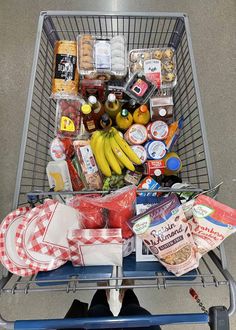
[[158, 130], [155, 149], [136, 134], [140, 152]]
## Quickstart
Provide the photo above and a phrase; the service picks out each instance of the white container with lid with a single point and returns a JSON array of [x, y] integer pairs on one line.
[[59, 176], [136, 134], [155, 149], [140, 152], [57, 149], [158, 130]]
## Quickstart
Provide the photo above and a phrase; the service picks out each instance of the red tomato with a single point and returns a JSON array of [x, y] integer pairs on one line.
[[71, 109], [72, 116], [76, 104], [63, 104], [66, 112]]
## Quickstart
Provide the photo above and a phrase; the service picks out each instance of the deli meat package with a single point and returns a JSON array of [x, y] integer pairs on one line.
[[165, 231], [211, 223]]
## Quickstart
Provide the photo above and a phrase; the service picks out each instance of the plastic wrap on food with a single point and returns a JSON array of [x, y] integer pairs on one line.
[[65, 80], [102, 55], [158, 65]]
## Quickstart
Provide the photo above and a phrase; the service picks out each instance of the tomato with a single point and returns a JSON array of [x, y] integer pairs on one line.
[[71, 109], [63, 104], [66, 112], [76, 104]]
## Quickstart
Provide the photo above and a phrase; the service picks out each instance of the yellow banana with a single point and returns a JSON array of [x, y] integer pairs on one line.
[[120, 155], [112, 160], [120, 163], [100, 156], [126, 148], [93, 140]]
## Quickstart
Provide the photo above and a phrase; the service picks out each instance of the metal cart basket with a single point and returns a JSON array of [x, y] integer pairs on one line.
[[142, 30]]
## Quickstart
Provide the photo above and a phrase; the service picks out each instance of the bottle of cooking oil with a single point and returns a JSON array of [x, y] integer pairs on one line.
[[112, 106]]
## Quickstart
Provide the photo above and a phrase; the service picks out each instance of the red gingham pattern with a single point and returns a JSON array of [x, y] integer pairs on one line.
[[23, 250], [75, 255], [5, 259], [79, 237], [36, 240]]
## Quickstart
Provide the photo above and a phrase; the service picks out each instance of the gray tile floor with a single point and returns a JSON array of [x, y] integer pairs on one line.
[[212, 24]]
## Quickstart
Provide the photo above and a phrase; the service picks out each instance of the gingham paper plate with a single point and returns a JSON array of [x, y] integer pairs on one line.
[[24, 231], [51, 229], [8, 253]]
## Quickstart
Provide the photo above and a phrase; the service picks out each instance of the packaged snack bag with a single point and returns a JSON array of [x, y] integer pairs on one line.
[[165, 231], [211, 223]]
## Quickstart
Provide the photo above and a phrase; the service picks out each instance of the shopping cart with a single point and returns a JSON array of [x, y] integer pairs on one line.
[[142, 30]]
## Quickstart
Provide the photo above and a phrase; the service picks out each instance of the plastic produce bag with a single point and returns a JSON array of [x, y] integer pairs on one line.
[[92, 217], [117, 208]]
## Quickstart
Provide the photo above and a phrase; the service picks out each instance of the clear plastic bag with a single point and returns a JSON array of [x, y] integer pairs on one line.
[[113, 210]]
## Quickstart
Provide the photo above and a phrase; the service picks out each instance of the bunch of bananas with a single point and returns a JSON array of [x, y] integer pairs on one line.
[[112, 152]]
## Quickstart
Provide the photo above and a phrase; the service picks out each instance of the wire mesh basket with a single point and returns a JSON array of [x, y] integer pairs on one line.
[[141, 30]]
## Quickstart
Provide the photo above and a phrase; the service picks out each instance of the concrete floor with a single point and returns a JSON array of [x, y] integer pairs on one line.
[[212, 24]]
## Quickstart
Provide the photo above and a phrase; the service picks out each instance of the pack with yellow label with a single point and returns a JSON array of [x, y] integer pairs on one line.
[[68, 117]]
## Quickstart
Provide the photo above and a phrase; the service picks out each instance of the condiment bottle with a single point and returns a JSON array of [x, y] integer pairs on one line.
[[124, 119], [141, 115], [105, 121], [96, 107], [173, 164], [112, 106], [88, 118]]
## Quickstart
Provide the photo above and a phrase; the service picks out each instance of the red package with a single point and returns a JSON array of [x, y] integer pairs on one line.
[[68, 117], [118, 205], [92, 217], [77, 183]]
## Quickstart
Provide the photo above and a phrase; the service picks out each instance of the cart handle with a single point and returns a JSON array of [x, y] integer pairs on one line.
[[112, 322]]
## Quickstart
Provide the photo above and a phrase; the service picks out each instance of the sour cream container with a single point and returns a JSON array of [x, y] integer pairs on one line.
[[155, 149], [158, 130], [136, 134], [140, 152]]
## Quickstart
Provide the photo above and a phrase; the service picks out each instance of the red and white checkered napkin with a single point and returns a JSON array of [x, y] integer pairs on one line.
[[95, 247], [50, 233]]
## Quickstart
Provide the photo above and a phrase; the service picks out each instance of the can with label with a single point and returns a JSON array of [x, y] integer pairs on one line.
[[155, 149], [65, 80]]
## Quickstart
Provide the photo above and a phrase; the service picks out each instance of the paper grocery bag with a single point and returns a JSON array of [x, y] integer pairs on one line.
[[95, 247]]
